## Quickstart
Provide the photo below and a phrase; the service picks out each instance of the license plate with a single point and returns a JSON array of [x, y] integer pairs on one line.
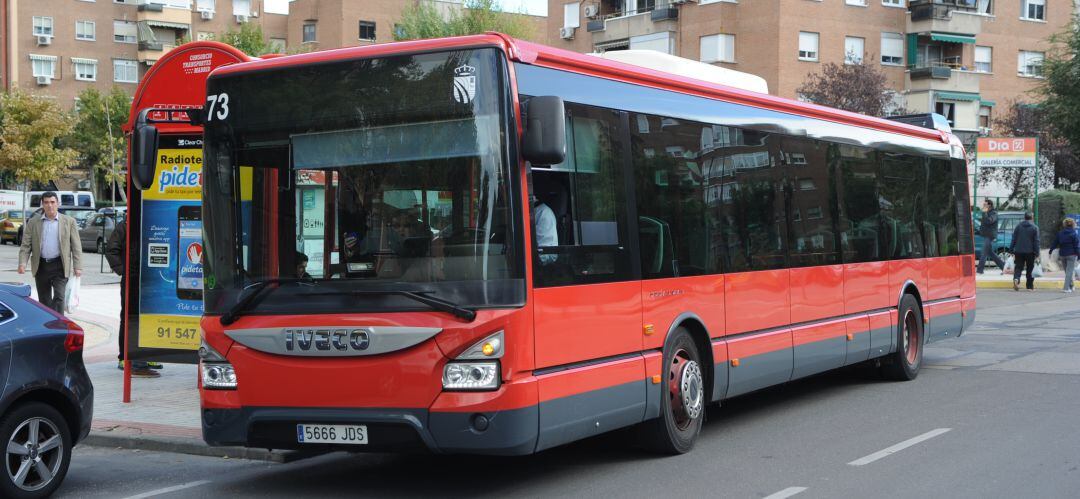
[[331, 434]]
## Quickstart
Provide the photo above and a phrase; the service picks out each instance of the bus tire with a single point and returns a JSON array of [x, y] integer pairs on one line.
[[904, 364], [682, 399]]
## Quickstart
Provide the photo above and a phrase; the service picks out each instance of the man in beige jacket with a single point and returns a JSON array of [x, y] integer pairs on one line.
[[52, 246]]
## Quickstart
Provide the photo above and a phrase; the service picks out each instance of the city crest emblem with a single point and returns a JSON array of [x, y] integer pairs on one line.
[[464, 84]]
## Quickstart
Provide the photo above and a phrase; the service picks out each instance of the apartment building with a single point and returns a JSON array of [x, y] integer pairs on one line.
[[62, 47], [959, 58]]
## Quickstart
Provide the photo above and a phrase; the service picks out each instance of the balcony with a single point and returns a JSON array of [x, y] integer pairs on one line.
[[155, 12], [624, 25], [942, 78], [950, 16], [150, 52]]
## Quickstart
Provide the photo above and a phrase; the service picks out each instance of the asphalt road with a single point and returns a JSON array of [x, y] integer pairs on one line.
[[995, 413]]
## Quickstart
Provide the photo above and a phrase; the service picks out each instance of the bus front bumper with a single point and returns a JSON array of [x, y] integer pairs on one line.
[[507, 432]]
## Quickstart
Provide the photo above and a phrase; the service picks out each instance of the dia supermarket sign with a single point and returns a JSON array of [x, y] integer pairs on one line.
[[1009, 152]]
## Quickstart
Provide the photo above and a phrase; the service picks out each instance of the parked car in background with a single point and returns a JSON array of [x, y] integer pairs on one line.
[[1007, 221], [11, 226], [47, 398], [113, 209], [80, 214], [97, 229]]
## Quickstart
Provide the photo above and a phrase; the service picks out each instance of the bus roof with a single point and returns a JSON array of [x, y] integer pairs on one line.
[[550, 57]]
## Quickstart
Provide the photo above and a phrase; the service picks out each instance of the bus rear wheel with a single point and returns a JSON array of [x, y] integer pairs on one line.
[[682, 399], [904, 364]]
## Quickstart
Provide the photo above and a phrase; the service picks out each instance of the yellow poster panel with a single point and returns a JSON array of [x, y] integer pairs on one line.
[[169, 331], [178, 176]]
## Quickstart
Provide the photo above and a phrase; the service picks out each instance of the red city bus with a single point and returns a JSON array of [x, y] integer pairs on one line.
[[484, 245]]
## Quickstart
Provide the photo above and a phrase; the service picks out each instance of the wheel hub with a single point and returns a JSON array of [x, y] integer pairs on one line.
[[691, 389]]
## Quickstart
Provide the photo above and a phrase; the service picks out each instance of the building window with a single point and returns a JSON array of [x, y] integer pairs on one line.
[[984, 59], [718, 48], [84, 30], [43, 65], [205, 5], [946, 109], [854, 47], [985, 116], [892, 49], [806, 184], [309, 32], [892, 3], [1029, 63], [277, 45], [204, 35], [367, 30], [857, 3], [85, 69], [808, 46], [1033, 9], [241, 7], [43, 26], [572, 15], [125, 32], [125, 71]]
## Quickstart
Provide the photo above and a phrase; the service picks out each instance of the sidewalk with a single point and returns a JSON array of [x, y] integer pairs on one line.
[[164, 412], [992, 279]]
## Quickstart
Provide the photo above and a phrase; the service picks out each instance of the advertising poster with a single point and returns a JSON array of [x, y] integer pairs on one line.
[[171, 271]]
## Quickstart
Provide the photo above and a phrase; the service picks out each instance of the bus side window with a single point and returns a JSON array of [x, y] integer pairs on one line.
[[586, 196]]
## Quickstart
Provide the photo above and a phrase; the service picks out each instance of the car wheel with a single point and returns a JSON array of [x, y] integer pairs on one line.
[[682, 401], [37, 451], [904, 364]]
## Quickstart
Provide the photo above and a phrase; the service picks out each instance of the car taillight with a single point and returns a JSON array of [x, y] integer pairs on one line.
[[74, 340]]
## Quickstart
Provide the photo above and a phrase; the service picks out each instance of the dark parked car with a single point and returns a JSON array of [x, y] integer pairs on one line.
[[46, 401], [1007, 221]]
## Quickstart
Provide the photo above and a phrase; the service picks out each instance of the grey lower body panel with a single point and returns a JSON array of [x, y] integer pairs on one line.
[[760, 371], [858, 349], [583, 415], [945, 326], [819, 356]]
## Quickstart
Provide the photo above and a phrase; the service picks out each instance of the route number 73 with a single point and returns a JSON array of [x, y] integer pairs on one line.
[[220, 102]]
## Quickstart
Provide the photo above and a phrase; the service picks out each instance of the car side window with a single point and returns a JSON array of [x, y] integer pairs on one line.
[[6, 313]]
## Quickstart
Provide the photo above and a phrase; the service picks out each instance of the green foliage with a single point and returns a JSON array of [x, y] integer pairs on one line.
[[97, 134], [1060, 90], [29, 141], [859, 88], [249, 40], [425, 20]]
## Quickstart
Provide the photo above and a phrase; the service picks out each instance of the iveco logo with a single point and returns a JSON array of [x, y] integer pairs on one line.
[[326, 340]]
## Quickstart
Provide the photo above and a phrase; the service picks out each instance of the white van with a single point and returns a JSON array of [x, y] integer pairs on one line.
[[82, 199]]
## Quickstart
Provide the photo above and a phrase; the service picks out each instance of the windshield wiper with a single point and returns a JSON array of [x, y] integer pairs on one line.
[[256, 290], [439, 304]]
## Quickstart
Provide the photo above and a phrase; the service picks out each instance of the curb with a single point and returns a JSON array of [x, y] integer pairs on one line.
[[189, 446], [1039, 284]]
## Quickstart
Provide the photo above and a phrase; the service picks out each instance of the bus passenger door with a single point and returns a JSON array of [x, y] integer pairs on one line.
[[587, 297]]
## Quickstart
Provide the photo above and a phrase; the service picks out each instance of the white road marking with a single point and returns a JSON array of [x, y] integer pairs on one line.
[[788, 492], [167, 490], [898, 447]]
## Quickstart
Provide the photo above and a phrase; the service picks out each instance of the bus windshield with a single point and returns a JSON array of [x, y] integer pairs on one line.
[[350, 178]]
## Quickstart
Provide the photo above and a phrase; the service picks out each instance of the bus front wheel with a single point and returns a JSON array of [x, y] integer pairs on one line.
[[904, 364], [682, 399]]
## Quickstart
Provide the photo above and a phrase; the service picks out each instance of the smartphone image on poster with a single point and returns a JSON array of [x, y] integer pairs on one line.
[[189, 252]]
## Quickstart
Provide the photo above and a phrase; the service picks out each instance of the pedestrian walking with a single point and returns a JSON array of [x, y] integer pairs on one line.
[[114, 253], [52, 247], [988, 229], [1069, 242], [1025, 245]]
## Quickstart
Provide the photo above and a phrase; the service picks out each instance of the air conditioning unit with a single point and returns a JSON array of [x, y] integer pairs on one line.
[[566, 33], [44, 40], [984, 130], [241, 19], [592, 10], [44, 80], [206, 15], [254, 13]]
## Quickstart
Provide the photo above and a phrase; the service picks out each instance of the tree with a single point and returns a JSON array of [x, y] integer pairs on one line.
[[860, 88], [1029, 120], [30, 139], [425, 20], [98, 137], [249, 40], [1060, 108]]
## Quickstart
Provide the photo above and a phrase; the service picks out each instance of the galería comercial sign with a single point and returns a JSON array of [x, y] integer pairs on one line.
[[1007, 152]]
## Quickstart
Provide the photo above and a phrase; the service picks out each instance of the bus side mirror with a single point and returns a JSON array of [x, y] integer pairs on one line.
[[544, 141], [144, 147]]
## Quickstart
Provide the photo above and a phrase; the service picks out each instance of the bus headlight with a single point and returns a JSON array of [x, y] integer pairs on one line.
[[215, 372], [471, 376]]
